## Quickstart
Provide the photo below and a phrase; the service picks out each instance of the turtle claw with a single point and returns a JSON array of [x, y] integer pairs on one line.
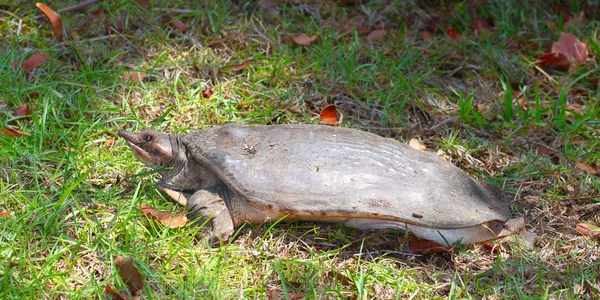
[[206, 205]]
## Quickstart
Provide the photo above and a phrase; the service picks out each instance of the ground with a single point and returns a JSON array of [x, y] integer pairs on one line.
[[463, 77]]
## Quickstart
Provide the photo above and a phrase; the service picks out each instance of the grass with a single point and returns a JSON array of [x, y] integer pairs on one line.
[[71, 191]]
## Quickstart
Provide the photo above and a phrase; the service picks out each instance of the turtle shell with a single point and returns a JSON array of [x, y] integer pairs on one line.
[[330, 172]]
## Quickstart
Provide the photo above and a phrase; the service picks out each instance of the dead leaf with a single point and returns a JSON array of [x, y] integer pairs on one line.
[[586, 167], [239, 67], [135, 76], [113, 27], [481, 26], [95, 15], [422, 246], [328, 115], [53, 17], [452, 33], [12, 132], [3, 214], [208, 92], [112, 292], [414, 143], [427, 35], [179, 25], [32, 62], [129, 274], [546, 151], [22, 110], [166, 219], [565, 54], [144, 3], [376, 36], [578, 19], [109, 142], [304, 39], [337, 276], [587, 230]]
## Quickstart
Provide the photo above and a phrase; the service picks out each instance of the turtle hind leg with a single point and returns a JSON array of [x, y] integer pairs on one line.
[[206, 205]]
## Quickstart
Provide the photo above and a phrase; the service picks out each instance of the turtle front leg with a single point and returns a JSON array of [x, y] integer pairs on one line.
[[204, 205]]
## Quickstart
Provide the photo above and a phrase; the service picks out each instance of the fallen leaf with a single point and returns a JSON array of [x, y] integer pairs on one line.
[[239, 67], [565, 54], [414, 143], [109, 142], [95, 15], [3, 214], [427, 35], [53, 17], [546, 151], [144, 3], [166, 219], [376, 36], [12, 132], [328, 115], [587, 229], [129, 274], [422, 246], [571, 47], [586, 167], [32, 62], [22, 110], [208, 92], [135, 76], [113, 27], [179, 25], [304, 39], [112, 292], [452, 33], [337, 276], [481, 26], [578, 19]]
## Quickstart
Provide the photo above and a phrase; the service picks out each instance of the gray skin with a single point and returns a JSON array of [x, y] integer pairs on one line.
[[234, 174]]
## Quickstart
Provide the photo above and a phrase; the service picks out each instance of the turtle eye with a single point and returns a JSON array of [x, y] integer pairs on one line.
[[148, 138]]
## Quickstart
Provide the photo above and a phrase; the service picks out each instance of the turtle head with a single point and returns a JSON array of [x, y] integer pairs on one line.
[[153, 148]]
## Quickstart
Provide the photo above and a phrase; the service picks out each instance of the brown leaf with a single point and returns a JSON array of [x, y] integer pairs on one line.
[[109, 142], [179, 25], [546, 151], [337, 276], [129, 274], [135, 76], [586, 167], [481, 26], [414, 143], [95, 15], [422, 246], [113, 293], [166, 219], [376, 36], [208, 92], [23, 110], [304, 39], [53, 17], [587, 229], [113, 27], [3, 214], [328, 115], [427, 35], [239, 67], [578, 19], [568, 52], [554, 60], [452, 33], [32, 62], [12, 132], [144, 3]]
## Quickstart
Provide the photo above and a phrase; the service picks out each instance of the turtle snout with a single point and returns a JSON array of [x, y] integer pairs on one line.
[[126, 135]]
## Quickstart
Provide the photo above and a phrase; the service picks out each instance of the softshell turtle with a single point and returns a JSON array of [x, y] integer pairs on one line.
[[236, 173]]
